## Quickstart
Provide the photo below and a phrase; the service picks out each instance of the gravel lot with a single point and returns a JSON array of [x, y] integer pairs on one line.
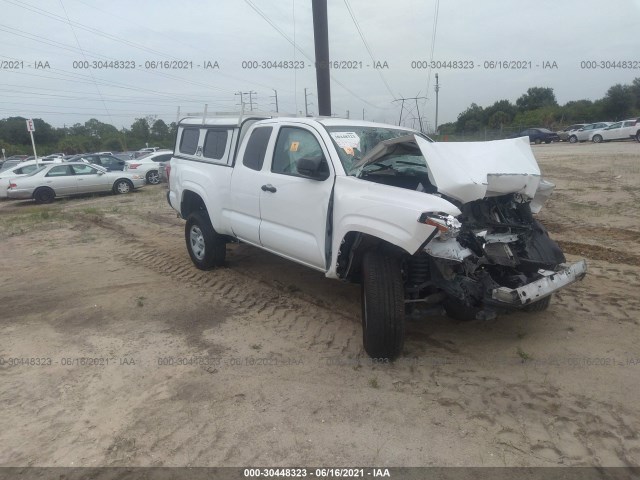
[[116, 351]]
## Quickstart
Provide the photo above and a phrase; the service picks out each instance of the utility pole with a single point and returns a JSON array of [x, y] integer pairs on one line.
[[419, 119], [251, 92], [306, 105], [321, 40], [347, 113], [276, 97], [437, 90], [241, 100], [402, 107], [363, 113]]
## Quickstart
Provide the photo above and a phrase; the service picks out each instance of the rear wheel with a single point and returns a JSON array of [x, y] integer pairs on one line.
[[573, 139], [638, 136], [382, 305], [44, 195], [206, 248], [153, 178], [537, 141], [597, 138]]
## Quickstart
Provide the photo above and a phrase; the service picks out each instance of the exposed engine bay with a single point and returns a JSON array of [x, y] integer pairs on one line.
[[493, 256]]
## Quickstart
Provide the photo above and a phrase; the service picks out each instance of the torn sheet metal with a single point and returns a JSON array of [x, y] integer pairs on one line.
[[470, 171]]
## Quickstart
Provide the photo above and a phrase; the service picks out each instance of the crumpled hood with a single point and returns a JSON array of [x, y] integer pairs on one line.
[[468, 171]]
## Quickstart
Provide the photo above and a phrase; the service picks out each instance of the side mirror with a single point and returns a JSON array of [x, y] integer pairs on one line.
[[100, 172], [315, 168]]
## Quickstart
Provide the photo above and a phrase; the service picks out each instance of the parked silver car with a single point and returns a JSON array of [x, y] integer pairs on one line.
[[51, 181]]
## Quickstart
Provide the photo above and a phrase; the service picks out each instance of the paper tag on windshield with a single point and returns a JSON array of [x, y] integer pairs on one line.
[[294, 146], [346, 139]]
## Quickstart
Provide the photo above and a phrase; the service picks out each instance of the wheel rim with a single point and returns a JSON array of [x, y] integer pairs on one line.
[[44, 196], [196, 242], [153, 178], [597, 139], [123, 187], [573, 140]]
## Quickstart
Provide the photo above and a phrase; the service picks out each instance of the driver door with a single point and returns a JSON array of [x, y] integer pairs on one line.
[[90, 179], [294, 209]]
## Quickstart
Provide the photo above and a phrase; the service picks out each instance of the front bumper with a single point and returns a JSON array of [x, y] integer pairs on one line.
[[551, 282]]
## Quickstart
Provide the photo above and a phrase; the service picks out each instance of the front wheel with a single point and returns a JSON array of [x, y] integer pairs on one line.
[[638, 136], [382, 305], [206, 248], [597, 139]]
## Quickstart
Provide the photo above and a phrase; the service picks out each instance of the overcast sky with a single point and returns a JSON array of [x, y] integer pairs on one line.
[[230, 32]]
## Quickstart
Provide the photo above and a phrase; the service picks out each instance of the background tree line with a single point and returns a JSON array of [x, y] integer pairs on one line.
[[539, 108], [92, 136]]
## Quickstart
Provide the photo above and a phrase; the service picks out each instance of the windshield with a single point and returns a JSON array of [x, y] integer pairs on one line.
[[353, 142]]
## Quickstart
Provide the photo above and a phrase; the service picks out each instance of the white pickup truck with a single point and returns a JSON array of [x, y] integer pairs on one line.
[[413, 221]]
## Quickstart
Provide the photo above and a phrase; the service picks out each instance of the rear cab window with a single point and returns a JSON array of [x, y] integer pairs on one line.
[[204, 143], [256, 148], [189, 141]]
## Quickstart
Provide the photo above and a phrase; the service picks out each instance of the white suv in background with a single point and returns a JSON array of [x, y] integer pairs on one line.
[[148, 165], [624, 130]]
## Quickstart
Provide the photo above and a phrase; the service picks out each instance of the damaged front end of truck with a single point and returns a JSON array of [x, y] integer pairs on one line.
[[492, 256]]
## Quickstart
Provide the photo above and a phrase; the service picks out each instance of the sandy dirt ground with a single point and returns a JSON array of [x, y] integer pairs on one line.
[[116, 351]]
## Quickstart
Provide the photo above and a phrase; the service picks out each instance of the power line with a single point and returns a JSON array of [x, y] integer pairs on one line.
[[284, 35], [90, 72], [366, 45]]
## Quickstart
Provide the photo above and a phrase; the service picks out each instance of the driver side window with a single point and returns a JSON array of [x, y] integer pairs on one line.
[[292, 144]]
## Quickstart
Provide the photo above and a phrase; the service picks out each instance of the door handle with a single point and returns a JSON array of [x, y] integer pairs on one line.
[[269, 188]]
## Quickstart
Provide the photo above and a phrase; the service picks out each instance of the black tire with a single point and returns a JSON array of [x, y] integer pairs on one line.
[[44, 195], [573, 139], [539, 305], [638, 136], [597, 139], [206, 248], [152, 177], [458, 310], [382, 305], [537, 141], [122, 186], [547, 142]]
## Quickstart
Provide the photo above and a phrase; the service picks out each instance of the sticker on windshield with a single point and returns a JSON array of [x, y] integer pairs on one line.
[[346, 139], [294, 146]]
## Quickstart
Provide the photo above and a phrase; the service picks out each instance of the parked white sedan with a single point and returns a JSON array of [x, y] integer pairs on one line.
[[148, 165], [51, 181], [625, 130], [583, 134]]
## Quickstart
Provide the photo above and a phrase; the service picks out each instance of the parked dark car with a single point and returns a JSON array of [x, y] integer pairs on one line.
[[539, 135]]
